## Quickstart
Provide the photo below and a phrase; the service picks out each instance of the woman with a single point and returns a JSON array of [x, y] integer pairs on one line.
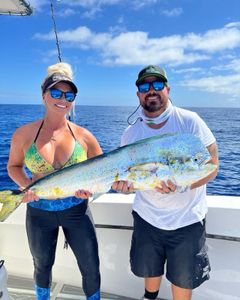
[[44, 146]]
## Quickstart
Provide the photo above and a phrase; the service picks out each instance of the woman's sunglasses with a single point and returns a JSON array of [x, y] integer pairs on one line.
[[57, 94], [145, 86]]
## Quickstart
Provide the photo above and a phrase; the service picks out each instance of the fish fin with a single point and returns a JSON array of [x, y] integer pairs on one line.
[[9, 201], [144, 170], [147, 167]]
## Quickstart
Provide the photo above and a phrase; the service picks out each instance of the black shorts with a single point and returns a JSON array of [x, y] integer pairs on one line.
[[183, 250]]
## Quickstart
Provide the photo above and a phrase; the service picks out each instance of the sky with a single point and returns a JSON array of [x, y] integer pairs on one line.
[[108, 42]]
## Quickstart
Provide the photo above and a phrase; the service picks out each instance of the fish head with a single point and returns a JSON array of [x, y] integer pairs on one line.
[[192, 171], [190, 150], [201, 158]]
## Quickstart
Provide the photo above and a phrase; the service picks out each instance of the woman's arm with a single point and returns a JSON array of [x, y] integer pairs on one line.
[[92, 145], [15, 164]]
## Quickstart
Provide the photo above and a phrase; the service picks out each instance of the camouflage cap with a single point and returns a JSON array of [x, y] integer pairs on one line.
[[55, 78], [152, 70]]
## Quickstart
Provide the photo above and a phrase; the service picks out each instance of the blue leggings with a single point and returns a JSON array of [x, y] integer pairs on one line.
[[42, 231]]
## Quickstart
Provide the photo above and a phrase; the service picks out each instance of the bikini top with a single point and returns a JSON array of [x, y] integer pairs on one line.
[[37, 164]]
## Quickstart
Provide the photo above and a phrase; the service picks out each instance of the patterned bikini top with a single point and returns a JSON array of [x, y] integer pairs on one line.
[[37, 164]]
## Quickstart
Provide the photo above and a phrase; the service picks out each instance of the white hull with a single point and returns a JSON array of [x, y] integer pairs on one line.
[[112, 216]]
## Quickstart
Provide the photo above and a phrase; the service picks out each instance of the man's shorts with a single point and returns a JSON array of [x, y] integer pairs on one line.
[[183, 250]]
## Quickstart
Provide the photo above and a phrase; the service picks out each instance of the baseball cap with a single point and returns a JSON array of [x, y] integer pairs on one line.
[[55, 78], [152, 70]]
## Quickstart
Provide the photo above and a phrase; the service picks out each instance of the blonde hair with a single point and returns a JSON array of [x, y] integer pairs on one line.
[[61, 67]]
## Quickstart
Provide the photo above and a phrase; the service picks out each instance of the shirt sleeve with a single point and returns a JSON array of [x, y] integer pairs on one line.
[[200, 129]]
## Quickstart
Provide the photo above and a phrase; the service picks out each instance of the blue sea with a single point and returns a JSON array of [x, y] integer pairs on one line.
[[107, 124]]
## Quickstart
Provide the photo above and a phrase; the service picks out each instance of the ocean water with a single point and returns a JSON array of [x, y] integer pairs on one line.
[[107, 124]]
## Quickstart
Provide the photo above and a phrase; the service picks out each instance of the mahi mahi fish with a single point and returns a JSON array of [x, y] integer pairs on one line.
[[182, 158]]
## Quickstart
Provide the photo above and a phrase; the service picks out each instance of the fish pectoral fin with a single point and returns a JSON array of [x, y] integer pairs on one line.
[[9, 201], [151, 167], [143, 171]]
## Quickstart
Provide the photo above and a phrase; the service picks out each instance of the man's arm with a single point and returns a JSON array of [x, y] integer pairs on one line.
[[214, 160]]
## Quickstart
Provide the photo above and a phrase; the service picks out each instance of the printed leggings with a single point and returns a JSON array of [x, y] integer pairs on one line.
[[42, 231]]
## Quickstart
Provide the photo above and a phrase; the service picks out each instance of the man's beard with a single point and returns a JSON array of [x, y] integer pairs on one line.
[[152, 105]]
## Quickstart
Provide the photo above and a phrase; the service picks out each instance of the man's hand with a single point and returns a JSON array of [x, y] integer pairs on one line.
[[123, 187], [166, 187]]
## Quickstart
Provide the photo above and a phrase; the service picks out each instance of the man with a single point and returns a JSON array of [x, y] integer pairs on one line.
[[169, 222]]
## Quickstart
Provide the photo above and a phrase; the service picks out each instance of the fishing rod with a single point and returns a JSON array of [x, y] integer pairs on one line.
[[55, 31], [71, 114]]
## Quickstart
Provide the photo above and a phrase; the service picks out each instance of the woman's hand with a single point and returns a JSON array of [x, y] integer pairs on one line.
[[83, 194], [29, 196], [123, 187]]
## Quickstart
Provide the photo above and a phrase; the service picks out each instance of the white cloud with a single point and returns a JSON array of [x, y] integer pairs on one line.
[[134, 48], [137, 4], [227, 85], [94, 6], [188, 70], [67, 12], [233, 24], [90, 3], [215, 40], [233, 66], [173, 13]]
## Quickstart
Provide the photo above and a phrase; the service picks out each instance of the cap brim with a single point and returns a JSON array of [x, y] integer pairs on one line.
[[73, 86]]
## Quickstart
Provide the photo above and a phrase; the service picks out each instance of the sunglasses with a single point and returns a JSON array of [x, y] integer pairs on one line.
[[57, 94], [145, 86]]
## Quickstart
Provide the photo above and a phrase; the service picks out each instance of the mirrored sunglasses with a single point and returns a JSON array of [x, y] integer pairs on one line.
[[145, 86], [57, 94]]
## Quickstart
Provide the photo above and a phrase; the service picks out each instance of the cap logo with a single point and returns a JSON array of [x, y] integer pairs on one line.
[[151, 70], [57, 77]]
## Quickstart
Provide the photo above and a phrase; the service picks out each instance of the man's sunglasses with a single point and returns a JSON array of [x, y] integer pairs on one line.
[[57, 94], [145, 86]]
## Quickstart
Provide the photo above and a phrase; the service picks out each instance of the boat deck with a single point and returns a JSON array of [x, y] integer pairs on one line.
[[22, 288]]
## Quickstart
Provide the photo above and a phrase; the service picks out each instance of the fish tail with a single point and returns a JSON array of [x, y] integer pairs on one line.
[[9, 201]]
